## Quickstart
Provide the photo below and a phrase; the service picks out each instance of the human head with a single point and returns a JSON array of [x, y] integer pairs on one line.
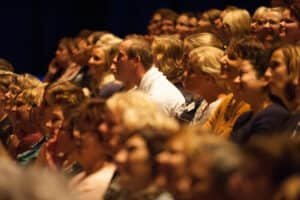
[[134, 58], [204, 71], [256, 23], [168, 21], [101, 57], [206, 20], [136, 158], [283, 73], [250, 81], [269, 34], [186, 24], [236, 23], [290, 24], [168, 54], [201, 39]]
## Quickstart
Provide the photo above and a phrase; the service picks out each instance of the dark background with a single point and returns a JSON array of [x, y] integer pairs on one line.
[[31, 29]]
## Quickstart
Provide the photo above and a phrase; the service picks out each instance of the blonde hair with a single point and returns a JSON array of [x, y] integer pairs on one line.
[[207, 60], [136, 111], [259, 12], [168, 53], [238, 22], [201, 39]]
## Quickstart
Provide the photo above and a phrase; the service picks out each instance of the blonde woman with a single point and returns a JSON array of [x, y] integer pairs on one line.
[[236, 23], [257, 23], [203, 79]]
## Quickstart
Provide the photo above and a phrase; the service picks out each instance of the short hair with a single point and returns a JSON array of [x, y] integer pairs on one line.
[[168, 51], [140, 48], [64, 93], [251, 49], [207, 60]]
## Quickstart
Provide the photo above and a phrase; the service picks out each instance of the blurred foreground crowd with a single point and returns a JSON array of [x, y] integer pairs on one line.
[[205, 106]]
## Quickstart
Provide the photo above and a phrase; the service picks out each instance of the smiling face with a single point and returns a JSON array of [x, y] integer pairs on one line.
[[230, 66], [289, 27], [97, 62], [249, 83], [270, 30]]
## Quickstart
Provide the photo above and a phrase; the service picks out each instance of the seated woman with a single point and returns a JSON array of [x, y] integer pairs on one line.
[[283, 74], [290, 25], [92, 125], [265, 115], [99, 68], [60, 101], [203, 79], [222, 120]]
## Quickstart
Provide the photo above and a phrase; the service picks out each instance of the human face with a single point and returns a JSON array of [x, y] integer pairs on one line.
[[204, 24], [123, 66], [199, 83], [89, 152], [97, 63], [230, 66], [62, 54], [172, 165], [167, 27], [248, 82], [133, 161], [277, 73], [52, 120], [289, 27], [182, 26], [270, 30], [155, 24], [193, 25]]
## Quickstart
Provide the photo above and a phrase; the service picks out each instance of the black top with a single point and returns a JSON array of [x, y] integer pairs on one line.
[[292, 126], [264, 122]]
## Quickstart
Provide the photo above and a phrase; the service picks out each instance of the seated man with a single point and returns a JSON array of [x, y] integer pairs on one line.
[[134, 67]]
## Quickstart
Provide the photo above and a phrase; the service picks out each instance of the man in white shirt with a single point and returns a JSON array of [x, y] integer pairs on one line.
[[134, 67]]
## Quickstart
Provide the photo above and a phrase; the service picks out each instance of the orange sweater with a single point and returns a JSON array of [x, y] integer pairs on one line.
[[222, 120]]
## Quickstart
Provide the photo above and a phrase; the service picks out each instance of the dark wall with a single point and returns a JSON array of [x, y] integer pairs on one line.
[[31, 29]]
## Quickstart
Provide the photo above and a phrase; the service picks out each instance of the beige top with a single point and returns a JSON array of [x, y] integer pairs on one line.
[[93, 186]]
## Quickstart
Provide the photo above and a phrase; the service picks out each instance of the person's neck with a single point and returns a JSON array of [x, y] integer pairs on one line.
[[215, 94], [94, 168], [260, 102]]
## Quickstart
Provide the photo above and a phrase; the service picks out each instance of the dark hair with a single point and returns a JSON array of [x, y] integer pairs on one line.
[[251, 49]]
